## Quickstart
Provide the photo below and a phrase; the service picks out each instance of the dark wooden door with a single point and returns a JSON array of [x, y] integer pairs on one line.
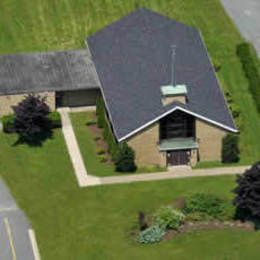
[[180, 157]]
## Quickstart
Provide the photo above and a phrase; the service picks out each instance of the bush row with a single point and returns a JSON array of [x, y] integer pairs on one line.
[[245, 53], [121, 154], [103, 123], [8, 121]]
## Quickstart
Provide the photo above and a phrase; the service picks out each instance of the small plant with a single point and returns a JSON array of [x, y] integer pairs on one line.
[[142, 223], [91, 122], [8, 123], [97, 138], [217, 65], [102, 158], [125, 159], [55, 119], [230, 151], [100, 151], [169, 218], [153, 234]]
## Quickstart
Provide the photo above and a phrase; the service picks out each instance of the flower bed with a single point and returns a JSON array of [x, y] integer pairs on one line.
[[200, 211]]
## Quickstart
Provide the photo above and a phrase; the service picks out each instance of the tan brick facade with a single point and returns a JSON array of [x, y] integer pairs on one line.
[[6, 102], [145, 145], [169, 100], [209, 138]]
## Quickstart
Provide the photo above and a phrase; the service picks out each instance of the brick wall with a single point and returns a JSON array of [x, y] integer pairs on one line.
[[6, 102], [145, 145], [210, 141]]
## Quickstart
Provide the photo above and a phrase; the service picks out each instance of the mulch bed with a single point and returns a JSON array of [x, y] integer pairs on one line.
[[209, 225], [101, 143]]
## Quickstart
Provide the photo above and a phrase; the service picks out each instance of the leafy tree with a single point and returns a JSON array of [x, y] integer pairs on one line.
[[32, 120], [125, 159], [230, 150], [247, 192]]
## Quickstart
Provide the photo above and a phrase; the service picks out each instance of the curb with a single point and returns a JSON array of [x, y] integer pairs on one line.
[[35, 248]]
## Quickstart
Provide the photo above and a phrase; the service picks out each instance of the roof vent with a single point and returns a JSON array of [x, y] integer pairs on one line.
[[173, 93]]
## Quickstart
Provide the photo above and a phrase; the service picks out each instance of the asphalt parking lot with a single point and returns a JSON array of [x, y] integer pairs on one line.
[[246, 15], [15, 243]]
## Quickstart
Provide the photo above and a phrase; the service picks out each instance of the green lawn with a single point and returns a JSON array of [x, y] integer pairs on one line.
[[95, 223], [50, 25], [88, 148]]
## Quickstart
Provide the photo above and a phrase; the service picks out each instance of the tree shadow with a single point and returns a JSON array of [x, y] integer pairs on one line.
[[35, 140]]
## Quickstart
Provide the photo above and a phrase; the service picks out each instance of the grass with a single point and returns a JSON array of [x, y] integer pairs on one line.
[[89, 149], [53, 25], [215, 164], [95, 223]]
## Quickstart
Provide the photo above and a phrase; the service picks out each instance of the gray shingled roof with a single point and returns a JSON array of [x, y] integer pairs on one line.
[[47, 71], [133, 59]]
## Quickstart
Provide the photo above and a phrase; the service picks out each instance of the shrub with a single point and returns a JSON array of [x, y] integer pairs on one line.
[[100, 151], [246, 55], [247, 192], [217, 65], [32, 121], [153, 234], [91, 122], [235, 110], [55, 119], [125, 159], [207, 206], [8, 123], [230, 150], [169, 218], [102, 158]]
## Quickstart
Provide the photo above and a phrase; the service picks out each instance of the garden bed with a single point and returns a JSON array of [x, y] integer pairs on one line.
[[199, 211]]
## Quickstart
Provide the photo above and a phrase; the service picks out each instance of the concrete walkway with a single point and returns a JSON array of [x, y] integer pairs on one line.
[[84, 179], [75, 155], [174, 173]]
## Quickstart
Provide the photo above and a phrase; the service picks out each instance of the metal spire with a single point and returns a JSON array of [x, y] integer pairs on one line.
[[173, 48]]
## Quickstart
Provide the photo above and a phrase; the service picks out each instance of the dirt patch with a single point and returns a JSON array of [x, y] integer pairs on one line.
[[209, 225], [100, 141]]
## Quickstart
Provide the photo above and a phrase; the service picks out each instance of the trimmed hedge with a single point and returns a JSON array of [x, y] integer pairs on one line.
[[55, 119], [245, 53], [230, 151], [107, 133], [8, 123]]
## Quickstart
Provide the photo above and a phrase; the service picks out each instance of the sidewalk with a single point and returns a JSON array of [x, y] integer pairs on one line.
[[85, 180], [74, 152], [178, 172]]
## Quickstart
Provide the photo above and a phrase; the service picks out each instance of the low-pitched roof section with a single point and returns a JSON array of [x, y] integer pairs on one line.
[[133, 60], [47, 71]]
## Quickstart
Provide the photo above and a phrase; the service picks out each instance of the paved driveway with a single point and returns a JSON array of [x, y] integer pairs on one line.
[[246, 15], [15, 243]]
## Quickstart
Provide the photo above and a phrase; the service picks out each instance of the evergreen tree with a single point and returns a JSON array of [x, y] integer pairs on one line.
[[125, 159], [247, 192]]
